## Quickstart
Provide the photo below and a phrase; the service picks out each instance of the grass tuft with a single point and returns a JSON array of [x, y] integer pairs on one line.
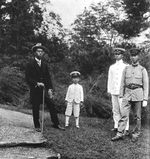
[[93, 140]]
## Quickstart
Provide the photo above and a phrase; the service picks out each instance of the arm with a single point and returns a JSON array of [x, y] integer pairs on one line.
[[28, 76], [67, 95], [82, 94], [48, 78], [48, 81], [122, 86], [109, 80], [145, 85]]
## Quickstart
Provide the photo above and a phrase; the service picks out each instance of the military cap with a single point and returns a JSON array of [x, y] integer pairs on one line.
[[119, 50], [75, 74], [38, 45], [134, 51]]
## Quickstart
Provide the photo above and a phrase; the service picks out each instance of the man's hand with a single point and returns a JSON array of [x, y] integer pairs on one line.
[[50, 93], [40, 84], [144, 103], [81, 104]]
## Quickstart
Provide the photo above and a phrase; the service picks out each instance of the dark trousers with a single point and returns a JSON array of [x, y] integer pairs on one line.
[[52, 110]]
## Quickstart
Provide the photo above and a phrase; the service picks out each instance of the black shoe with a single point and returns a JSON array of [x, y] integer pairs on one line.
[[134, 138], [38, 129], [116, 138], [126, 133], [114, 130], [58, 127]]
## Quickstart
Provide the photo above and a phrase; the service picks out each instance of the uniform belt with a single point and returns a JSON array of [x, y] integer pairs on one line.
[[133, 86]]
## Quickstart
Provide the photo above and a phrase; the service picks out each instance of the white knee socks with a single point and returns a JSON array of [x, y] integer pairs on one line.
[[67, 121]]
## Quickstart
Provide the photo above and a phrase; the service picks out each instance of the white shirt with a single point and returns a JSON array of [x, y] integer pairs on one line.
[[38, 61], [75, 92], [114, 77]]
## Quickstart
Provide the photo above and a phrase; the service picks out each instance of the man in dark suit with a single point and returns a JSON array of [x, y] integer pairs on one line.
[[38, 78]]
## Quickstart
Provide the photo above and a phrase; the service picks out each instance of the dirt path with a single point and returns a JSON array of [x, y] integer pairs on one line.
[[18, 139]]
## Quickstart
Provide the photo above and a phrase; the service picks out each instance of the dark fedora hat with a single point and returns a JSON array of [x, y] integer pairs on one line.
[[38, 45]]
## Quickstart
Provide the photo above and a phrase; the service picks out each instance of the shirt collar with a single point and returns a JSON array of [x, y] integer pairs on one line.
[[75, 84], [120, 61], [38, 61], [136, 64]]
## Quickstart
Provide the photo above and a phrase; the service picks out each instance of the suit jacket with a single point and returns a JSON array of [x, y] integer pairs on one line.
[[33, 75], [75, 92]]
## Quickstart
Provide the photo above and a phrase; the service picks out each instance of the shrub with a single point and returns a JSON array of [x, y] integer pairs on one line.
[[59, 97], [12, 86]]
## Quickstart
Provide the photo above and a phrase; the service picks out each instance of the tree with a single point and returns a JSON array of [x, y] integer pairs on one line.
[[136, 22], [93, 37], [97, 21], [19, 19], [51, 24], [22, 22]]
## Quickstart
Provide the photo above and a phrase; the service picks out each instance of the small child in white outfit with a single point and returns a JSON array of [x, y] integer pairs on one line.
[[74, 99]]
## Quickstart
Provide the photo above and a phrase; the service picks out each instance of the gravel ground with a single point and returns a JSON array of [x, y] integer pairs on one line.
[[18, 139]]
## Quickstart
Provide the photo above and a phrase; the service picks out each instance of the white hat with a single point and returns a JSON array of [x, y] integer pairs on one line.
[[75, 74], [119, 49], [38, 45]]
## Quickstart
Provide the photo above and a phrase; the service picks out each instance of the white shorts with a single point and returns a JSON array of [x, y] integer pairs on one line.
[[73, 108]]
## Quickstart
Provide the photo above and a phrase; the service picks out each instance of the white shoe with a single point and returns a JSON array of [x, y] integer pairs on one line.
[[66, 125], [77, 126]]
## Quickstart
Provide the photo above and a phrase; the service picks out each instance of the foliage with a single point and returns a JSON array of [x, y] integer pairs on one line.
[[95, 102], [24, 23], [12, 86], [90, 58], [136, 21], [95, 23], [93, 36], [87, 52], [20, 20], [97, 106]]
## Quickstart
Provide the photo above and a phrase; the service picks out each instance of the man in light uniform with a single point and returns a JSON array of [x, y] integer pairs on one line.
[[113, 87], [134, 90]]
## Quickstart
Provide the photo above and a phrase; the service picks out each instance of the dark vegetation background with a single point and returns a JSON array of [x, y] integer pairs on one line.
[[86, 50]]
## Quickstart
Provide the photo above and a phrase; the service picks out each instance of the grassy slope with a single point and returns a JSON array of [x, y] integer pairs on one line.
[[93, 141]]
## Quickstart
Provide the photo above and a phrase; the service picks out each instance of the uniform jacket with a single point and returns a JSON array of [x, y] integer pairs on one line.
[[135, 75], [33, 75], [114, 77], [75, 92]]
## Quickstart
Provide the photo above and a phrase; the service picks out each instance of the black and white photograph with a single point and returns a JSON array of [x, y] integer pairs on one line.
[[75, 79]]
